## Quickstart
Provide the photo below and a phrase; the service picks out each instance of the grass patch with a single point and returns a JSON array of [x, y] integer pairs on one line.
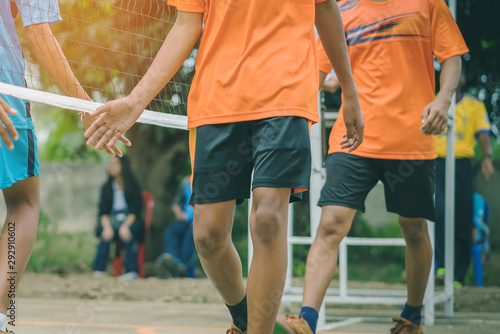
[[61, 252]]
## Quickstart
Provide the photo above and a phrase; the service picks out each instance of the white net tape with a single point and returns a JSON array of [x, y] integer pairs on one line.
[[64, 102]]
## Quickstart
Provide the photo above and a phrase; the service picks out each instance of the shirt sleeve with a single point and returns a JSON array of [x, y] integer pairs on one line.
[[447, 41], [191, 6], [324, 63], [482, 123], [39, 11]]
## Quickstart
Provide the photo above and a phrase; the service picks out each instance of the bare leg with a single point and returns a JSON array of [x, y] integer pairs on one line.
[[335, 223], [21, 225], [212, 227], [418, 257], [266, 279]]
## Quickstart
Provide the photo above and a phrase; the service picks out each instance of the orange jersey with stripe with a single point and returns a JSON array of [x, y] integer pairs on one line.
[[257, 59], [391, 47]]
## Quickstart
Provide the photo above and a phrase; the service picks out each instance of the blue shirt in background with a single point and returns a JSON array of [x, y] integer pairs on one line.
[[182, 198]]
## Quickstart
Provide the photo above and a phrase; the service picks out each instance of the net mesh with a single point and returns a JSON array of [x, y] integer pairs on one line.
[[108, 45]]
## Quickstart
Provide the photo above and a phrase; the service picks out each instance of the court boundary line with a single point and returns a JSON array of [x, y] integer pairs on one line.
[[141, 329]]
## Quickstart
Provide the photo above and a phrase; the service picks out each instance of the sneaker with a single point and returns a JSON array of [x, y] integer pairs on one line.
[[130, 276], [294, 325], [7, 332], [404, 326], [457, 285], [234, 330], [174, 265], [98, 274], [161, 269]]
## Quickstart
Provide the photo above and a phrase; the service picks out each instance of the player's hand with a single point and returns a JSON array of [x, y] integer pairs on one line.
[[487, 167], [6, 126], [113, 120], [125, 233], [87, 122], [107, 234], [354, 123], [435, 117], [331, 84]]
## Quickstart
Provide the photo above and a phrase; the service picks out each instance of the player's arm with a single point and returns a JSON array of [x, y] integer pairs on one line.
[[119, 115], [50, 56], [485, 144], [435, 114], [331, 31], [7, 129]]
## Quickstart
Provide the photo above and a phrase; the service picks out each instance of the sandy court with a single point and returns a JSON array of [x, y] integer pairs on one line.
[[74, 316]]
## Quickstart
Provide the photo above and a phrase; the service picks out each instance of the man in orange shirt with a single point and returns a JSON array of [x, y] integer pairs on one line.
[[391, 46], [249, 109]]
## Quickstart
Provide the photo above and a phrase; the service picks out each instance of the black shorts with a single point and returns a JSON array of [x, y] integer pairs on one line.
[[277, 150], [408, 184]]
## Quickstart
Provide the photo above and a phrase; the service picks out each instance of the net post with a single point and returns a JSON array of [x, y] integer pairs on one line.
[[343, 268], [429, 306], [449, 235], [289, 268], [250, 244]]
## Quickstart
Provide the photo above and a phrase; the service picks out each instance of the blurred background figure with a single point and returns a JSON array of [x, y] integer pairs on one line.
[[119, 218], [179, 252], [471, 122]]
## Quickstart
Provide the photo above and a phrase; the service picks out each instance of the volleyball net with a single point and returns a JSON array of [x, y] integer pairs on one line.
[[94, 51]]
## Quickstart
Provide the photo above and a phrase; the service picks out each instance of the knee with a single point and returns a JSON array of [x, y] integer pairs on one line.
[[268, 225], [414, 230], [332, 229], [210, 240]]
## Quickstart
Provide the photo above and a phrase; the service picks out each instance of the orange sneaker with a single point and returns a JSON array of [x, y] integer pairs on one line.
[[234, 330], [404, 326], [294, 325]]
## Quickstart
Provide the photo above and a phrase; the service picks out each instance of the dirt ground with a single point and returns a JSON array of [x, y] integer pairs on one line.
[[84, 286], [51, 304]]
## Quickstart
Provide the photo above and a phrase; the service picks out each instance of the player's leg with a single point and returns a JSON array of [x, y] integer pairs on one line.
[[222, 168], [23, 208], [409, 192], [335, 223], [418, 264], [212, 235], [281, 154], [349, 180], [266, 278]]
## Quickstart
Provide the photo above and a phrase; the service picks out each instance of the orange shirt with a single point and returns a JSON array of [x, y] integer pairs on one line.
[[391, 47], [257, 59]]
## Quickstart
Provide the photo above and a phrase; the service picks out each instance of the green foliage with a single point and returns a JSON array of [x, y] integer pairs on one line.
[[60, 252], [64, 137]]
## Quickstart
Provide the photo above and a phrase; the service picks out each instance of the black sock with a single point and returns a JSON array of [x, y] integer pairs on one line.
[[239, 313]]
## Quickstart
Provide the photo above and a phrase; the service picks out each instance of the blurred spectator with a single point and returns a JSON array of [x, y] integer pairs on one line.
[[179, 252], [119, 218], [471, 122]]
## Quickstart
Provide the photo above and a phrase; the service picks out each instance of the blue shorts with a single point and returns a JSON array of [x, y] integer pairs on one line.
[[20, 163]]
